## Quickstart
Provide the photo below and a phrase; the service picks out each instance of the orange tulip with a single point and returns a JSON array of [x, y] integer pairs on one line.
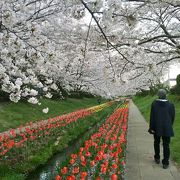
[[114, 166], [83, 174], [100, 153], [98, 178], [57, 177]]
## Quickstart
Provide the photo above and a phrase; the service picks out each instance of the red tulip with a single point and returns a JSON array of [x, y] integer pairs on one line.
[[116, 160], [105, 163], [88, 154], [92, 163], [123, 163], [97, 158], [73, 156], [82, 158], [72, 177], [12, 133], [75, 170], [80, 153], [103, 170], [114, 177], [83, 163], [104, 156], [10, 144], [64, 170], [71, 161]]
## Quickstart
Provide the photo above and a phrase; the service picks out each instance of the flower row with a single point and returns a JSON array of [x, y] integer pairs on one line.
[[18, 138], [103, 154]]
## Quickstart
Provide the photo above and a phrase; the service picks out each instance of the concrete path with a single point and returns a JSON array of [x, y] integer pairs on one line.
[[140, 153]]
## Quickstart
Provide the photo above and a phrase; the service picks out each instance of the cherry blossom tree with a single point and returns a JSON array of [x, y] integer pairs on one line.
[[106, 47], [25, 51]]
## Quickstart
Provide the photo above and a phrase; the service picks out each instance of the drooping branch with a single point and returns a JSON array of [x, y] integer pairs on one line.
[[122, 70], [109, 58], [85, 48], [86, 41]]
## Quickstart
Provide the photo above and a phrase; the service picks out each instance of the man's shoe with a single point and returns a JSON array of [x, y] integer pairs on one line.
[[157, 161], [165, 166]]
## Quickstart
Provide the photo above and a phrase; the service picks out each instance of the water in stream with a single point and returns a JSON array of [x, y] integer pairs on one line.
[[50, 169]]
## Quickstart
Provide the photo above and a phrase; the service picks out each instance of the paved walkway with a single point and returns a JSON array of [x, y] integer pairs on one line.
[[140, 162]]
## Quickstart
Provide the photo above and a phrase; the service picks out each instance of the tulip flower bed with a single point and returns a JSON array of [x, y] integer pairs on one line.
[[103, 154], [17, 145]]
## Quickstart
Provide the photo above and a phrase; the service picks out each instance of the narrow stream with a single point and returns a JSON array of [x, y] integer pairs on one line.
[[49, 170]]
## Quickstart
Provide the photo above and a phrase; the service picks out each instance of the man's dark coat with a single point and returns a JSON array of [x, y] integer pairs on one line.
[[162, 117]]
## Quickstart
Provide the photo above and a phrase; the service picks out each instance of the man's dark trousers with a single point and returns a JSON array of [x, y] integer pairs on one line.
[[166, 149]]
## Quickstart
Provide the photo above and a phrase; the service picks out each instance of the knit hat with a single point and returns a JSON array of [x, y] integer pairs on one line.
[[161, 94]]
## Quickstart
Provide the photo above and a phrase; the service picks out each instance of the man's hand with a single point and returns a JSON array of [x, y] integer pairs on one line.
[[151, 131]]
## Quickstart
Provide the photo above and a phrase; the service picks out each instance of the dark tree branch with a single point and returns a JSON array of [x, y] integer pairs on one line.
[[167, 34], [168, 60], [85, 48], [136, 76], [158, 37], [151, 51], [36, 13]]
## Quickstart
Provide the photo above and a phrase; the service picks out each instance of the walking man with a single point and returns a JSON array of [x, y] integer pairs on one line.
[[161, 120]]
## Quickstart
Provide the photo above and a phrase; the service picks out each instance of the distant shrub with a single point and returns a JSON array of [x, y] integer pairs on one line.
[[173, 90], [178, 84], [176, 88], [143, 93], [154, 89], [178, 80], [80, 94], [4, 96]]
